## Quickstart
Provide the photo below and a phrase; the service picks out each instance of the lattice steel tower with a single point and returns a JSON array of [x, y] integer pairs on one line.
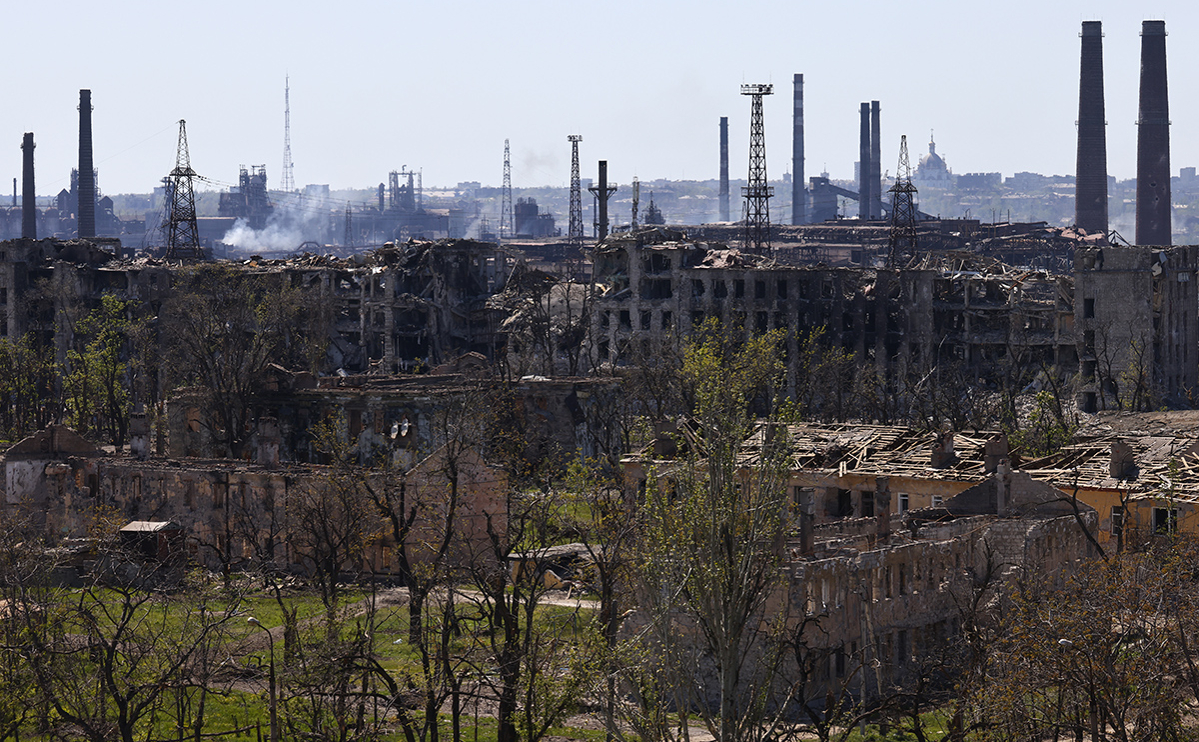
[[575, 231], [183, 237], [757, 193], [506, 198], [903, 210], [287, 184]]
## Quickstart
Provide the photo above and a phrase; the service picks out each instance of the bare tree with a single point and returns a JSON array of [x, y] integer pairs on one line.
[[222, 328], [107, 658]]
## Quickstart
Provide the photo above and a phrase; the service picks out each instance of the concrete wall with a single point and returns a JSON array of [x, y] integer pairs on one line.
[[1135, 311], [248, 511]]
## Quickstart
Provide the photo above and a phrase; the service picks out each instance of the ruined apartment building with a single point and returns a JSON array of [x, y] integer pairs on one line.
[[837, 467], [876, 576], [1138, 472], [401, 419], [653, 283], [1132, 304], [398, 308], [234, 513], [1135, 311], [887, 590]]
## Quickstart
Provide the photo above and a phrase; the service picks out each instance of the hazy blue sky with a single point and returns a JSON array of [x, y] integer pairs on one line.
[[440, 85]]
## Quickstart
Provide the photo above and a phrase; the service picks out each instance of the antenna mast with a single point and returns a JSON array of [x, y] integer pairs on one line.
[[183, 236], [757, 193], [506, 225], [287, 184], [575, 231]]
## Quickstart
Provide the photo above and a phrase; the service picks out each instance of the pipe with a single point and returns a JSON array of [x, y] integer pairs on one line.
[[876, 171], [603, 200]]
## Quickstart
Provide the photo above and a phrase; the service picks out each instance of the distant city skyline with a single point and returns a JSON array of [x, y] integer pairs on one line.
[[438, 87]]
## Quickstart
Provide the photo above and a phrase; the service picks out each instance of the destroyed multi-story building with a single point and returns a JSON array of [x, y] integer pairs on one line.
[[1120, 308], [1136, 322], [395, 420], [887, 594], [655, 283], [233, 512], [400, 307], [890, 531]]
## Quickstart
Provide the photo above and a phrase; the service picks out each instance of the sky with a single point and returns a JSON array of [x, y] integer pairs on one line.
[[439, 86]]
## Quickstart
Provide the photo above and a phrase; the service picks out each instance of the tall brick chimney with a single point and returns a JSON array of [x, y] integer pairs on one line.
[[28, 193], [799, 205], [1153, 140], [724, 168], [864, 195], [87, 171], [1090, 195], [876, 169]]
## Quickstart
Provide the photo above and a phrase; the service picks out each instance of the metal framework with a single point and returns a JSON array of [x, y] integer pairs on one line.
[[349, 238], [903, 209], [757, 193], [506, 225], [575, 230], [287, 183], [183, 236]]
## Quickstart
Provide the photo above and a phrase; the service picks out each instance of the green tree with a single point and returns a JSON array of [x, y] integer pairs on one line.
[[95, 378], [1047, 429], [107, 660], [714, 525], [1108, 651], [28, 401]]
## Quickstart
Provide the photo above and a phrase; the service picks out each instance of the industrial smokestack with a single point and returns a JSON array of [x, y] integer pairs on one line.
[[87, 177], [29, 198], [876, 170], [864, 166], [1090, 191], [1153, 140], [724, 168], [28, 194], [603, 200], [799, 200]]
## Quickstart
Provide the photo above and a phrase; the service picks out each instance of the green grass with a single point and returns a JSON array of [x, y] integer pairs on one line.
[[226, 712], [936, 726]]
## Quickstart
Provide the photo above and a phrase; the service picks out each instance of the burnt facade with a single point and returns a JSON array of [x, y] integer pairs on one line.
[[1135, 311], [397, 308], [653, 284]]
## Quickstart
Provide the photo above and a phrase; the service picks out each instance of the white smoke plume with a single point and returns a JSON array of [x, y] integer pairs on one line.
[[295, 220]]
